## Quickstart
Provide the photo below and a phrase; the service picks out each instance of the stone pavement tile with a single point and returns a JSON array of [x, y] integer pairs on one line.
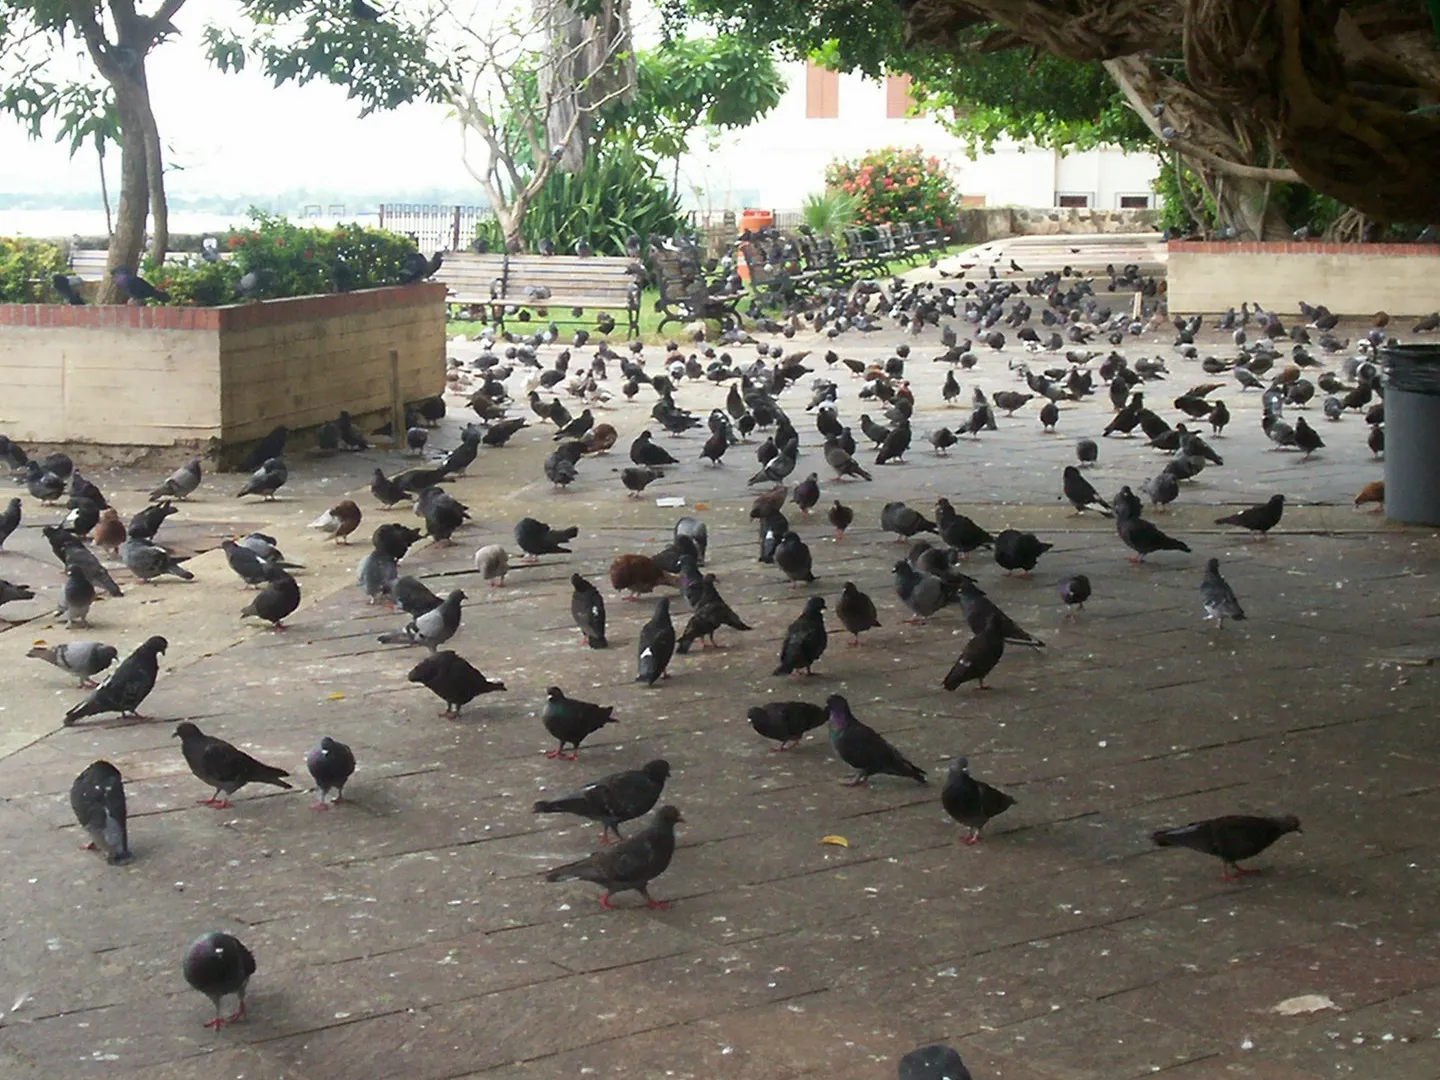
[[594, 943], [1094, 1042], [132, 1036], [1229, 927], [1238, 1065], [1394, 1038]]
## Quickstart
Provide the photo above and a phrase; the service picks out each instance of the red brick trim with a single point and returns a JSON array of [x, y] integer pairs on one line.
[[1297, 247], [230, 317]]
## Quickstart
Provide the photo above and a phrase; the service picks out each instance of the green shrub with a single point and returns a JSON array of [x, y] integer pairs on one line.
[[895, 184], [26, 267], [292, 261], [829, 212], [616, 192]]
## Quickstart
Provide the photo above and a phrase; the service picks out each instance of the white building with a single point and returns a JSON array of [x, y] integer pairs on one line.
[[776, 162]]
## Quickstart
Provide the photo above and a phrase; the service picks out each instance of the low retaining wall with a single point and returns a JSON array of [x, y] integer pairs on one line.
[[983, 224], [1349, 279], [157, 376]]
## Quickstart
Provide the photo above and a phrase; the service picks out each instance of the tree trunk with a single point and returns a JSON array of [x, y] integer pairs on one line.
[[155, 182], [132, 208], [585, 59], [104, 188]]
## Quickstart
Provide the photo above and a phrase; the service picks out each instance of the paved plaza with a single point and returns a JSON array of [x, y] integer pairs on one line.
[[409, 932]]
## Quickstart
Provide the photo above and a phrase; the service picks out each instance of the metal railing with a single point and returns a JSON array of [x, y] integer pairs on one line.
[[435, 228]]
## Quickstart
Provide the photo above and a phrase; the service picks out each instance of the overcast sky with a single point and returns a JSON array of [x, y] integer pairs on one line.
[[236, 134]]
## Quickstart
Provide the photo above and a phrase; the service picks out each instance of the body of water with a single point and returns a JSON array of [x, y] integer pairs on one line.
[[66, 223]]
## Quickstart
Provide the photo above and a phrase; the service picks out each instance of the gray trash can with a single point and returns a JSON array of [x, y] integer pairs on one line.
[[1412, 433]]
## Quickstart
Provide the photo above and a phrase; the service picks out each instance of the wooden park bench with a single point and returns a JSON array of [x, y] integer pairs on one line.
[[498, 286], [684, 293]]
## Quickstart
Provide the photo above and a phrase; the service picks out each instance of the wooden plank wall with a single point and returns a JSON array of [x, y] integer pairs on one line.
[[308, 358]]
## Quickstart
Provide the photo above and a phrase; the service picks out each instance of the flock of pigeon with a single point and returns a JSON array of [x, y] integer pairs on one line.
[[926, 580]]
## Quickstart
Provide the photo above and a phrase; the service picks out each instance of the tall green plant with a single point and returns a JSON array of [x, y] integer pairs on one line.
[[829, 212], [615, 193], [26, 267]]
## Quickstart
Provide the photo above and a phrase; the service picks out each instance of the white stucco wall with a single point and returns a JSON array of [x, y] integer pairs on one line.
[[775, 163]]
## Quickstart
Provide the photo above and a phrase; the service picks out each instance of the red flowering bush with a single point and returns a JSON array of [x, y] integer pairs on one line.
[[291, 261], [896, 184]]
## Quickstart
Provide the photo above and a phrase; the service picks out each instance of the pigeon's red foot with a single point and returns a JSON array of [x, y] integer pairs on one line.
[[320, 805], [1135, 559], [217, 1023], [605, 902], [215, 804], [1235, 873], [88, 847], [971, 840], [279, 626], [89, 684], [238, 1014], [661, 905]]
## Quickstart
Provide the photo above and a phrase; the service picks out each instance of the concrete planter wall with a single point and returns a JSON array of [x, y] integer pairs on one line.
[[1349, 279], [157, 376]]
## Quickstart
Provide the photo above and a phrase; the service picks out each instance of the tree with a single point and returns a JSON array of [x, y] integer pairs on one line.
[[720, 82], [1250, 93], [117, 39]]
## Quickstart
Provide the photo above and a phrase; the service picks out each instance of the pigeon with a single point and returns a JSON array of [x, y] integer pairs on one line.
[[1229, 839], [638, 574], [637, 478], [935, 1062], [1143, 537], [266, 480], [864, 749], [839, 459], [643, 451], [979, 657], [98, 798], [77, 554], [492, 561], [442, 513], [85, 659], [179, 484], [535, 538], [148, 561], [972, 802], [42, 485], [898, 518], [699, 535], [572, 721], [1217, 597], [1307, 438], [9, 521], [615, 799], [67, 287], [840, 516], [219, 964], [377, 574], [1074, 591], [1258, 519], [453, 679], [1163, 489], [958, 531], [145, 524], [1082, 494], [1087, 452], [277, 601], [631, 864], [1016, 550], [387, 493], [224, 767], [339, 521], [786, 721], [856, 612], [128, 685], [79, 594], [979, 608], [805, 640], [807, 493], [248, 566], [587, 608], [792, 556], [710, 614], [656, 646], [924, 594], [331, 765], [431, 629]]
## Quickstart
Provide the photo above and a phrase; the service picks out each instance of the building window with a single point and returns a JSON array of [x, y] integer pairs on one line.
[[822, 92], [1134, 202], [1072, 201], [898, 100]]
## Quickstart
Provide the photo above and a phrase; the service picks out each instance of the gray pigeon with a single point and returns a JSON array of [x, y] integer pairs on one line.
[[77, 554], [218, 964], [250, 567], [84, 659], [613, 800], [331, 765], [631, 864], [1217, 597], [78, 596], [431, 629], [180, 483], [147, 561], [98, 798], [377, 574], [923, 594], [9, 521]]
